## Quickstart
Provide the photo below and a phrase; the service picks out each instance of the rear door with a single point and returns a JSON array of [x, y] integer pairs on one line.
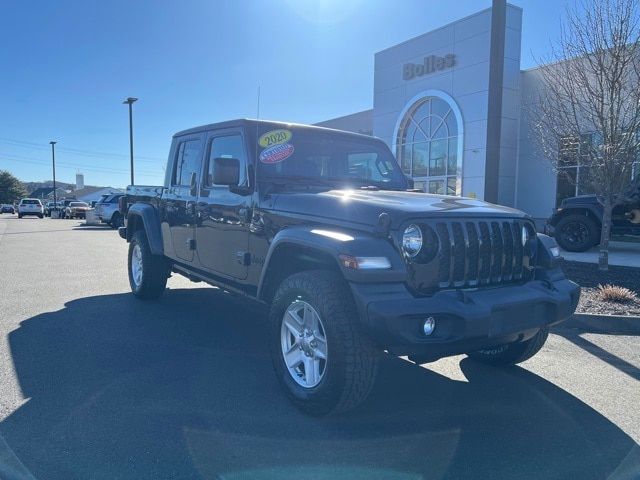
[[180, 197], [224, 213]]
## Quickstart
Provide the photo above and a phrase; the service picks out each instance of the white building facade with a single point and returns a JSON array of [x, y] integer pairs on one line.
[[449, 104]]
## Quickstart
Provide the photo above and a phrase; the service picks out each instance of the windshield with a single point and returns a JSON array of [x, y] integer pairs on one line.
[[336, 160], [30, 202], [78, 204]]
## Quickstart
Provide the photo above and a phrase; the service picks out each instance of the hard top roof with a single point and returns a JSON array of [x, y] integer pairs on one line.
[[247, 122]]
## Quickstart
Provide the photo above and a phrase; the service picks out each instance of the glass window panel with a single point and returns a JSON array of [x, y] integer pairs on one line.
[[409, 132], [436, 186], [439, 128], [585, 181], [420, 159], [566, 184], [423, 130], [422, 111], [437, 158], [452, 158], [419, 185], [452, 124], [439, 107], [568, 151], [452, 186], [404, 157]]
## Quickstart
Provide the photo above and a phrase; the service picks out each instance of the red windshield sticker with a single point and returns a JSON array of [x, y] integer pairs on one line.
[[276, 153]]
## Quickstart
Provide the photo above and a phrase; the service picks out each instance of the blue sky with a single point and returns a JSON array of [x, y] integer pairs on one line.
[[67, 66]]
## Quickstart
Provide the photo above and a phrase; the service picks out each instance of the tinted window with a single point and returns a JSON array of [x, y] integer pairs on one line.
[[30, 202], [187, 162], [229, 146], [78, 204]]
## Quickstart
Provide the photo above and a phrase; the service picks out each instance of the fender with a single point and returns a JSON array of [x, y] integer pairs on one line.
[[336, 241], [145, 215], [589, 205]]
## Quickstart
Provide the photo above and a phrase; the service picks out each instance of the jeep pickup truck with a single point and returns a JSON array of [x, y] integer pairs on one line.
[[322, 227]]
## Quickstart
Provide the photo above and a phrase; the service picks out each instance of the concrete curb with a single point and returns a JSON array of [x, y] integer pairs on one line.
[[612, 324]]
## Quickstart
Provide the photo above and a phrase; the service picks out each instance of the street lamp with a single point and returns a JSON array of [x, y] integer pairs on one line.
[[53, 159], [129, 101]]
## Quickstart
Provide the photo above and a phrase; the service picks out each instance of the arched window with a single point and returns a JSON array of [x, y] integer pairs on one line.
[[429, 144]]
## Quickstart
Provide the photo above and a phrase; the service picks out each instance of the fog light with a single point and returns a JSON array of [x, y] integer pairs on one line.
[[429, 326]]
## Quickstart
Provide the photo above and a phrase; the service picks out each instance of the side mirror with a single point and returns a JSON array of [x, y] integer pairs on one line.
[[226, 171]]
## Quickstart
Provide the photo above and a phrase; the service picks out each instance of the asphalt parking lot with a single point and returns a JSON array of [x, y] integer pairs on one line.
[[95, 384]]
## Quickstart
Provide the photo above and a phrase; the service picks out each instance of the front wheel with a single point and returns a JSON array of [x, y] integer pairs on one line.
[[512, 353], [147, 272], [322, 359], [577, 233]]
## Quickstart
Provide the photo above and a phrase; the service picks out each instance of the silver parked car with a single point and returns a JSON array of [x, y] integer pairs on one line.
[[108, 211]]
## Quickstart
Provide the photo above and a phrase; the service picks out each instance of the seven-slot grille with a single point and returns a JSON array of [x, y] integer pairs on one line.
[[474, 253]]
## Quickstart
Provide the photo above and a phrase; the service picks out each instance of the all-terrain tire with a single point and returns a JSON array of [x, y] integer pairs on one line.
[[155, 269], [589, 233], [352, 357], [512, 353]]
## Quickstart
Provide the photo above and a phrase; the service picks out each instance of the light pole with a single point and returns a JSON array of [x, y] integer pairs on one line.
[[129, 101], [53, 159]]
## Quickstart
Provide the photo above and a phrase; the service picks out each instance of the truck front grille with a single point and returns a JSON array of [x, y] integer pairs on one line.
[[475, 253]]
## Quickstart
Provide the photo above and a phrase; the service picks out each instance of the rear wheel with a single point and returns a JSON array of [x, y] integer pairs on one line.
[[322, 359], [512, 353], [577, 233], [147, 272]]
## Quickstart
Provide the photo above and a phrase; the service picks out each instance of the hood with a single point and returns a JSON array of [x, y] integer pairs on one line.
[[365, 206]]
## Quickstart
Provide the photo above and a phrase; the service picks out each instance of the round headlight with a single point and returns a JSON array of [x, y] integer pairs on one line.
[[412, 240]]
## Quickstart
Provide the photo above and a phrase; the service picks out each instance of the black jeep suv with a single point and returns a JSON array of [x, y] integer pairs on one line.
[[577, 223], [322, 227]]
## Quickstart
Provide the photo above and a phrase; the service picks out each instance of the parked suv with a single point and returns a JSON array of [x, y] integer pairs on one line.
[[577, 223], [49, 206], [30, 206], [322, 228], [108, 210], [7, 208]]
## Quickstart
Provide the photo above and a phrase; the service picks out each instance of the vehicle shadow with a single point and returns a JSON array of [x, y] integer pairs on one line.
[[183, 388]]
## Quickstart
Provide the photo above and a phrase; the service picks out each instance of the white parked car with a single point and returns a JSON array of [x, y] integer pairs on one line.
[[30, 206]]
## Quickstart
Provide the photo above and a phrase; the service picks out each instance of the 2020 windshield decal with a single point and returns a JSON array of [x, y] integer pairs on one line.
[[276, 153], [275, 137]]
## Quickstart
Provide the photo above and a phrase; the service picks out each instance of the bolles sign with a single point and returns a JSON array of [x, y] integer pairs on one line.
[[432, 63]]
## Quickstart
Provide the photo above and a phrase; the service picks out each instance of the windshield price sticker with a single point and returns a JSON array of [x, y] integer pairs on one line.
[[275, 137], [276, 153]]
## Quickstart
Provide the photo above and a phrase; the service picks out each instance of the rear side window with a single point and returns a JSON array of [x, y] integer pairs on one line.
[[229, 146], [188, 161]]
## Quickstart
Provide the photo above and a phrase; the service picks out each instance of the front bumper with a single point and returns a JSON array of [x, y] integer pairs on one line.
[[466, 320]]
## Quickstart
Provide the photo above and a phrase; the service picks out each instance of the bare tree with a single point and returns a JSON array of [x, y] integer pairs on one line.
[[588, 109]]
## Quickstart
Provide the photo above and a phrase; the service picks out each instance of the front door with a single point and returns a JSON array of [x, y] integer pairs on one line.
[[181, 196], [223, 212]]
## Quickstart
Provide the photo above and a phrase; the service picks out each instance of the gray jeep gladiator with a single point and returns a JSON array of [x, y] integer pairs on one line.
[[323, 228]]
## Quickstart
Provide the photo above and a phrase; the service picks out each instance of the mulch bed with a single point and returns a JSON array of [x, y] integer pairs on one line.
[[589, 277]]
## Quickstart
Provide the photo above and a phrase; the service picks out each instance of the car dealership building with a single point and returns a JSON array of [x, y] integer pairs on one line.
[[451, 104]]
